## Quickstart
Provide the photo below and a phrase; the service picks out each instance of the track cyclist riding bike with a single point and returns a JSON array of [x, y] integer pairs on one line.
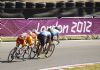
[[18, 51], [24, 42], [43, 37], [26, 38], [21, 40], [27, 41], [54, 33], [46, 39], [32, 38]]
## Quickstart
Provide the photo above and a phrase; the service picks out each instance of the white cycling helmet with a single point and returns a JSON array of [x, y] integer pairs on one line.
[[29, 32], [35, 31], [23, 35]]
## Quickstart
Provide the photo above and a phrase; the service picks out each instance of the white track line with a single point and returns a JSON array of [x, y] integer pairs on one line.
[[70, 66]]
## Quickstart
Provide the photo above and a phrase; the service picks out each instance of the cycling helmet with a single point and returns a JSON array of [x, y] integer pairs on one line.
[[23, 35], [29, 32], [57, 28], [49, 29], [35, 31]]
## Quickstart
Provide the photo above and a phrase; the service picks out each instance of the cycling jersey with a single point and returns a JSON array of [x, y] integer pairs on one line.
[[29, 40], [45, 33], [54, 32], [44, 37], [21, 41], [24, 38], [34, 38]]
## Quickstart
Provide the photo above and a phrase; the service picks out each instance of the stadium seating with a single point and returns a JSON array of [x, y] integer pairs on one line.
[[48, 9], [89, 7]]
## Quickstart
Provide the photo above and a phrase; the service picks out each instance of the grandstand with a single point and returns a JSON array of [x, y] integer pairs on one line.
[[48, 8]]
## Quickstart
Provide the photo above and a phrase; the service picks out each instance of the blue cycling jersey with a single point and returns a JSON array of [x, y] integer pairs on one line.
[[55, 32], [45, 33]]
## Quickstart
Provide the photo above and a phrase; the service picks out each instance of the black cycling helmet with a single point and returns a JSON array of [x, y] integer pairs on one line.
[[49, 29], [57, 28]]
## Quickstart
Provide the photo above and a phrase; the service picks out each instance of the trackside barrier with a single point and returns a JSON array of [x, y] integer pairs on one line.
[[71, 28], [43, 9]]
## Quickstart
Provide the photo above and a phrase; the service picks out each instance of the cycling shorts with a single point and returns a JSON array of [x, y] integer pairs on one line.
[[43, 39]]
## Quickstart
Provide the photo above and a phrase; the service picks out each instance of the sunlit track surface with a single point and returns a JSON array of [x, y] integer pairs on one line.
[[68, 52]]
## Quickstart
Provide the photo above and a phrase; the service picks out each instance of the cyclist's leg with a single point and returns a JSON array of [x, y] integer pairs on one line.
[[39, 43], [42, 41], [35, 43], [30, 41], [49, 42], [23, 44], [18, 43], [52, 38], [17, 50]]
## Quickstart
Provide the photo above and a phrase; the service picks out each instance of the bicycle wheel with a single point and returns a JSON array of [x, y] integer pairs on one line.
[[49, 51], [11, 55], [37, 50], [32, 53], [28, 53], [24, 53]]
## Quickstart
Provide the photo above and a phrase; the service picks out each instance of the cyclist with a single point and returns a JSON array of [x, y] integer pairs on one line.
[[31, 38], [55, 32], [43, 37], [26, 38], [21, 40], [34, 36]]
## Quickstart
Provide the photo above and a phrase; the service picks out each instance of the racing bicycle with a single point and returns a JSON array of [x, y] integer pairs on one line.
[[15, 53], [21, 53], [47, 51]]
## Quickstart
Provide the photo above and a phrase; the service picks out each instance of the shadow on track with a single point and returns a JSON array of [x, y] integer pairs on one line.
[[5, 61]]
